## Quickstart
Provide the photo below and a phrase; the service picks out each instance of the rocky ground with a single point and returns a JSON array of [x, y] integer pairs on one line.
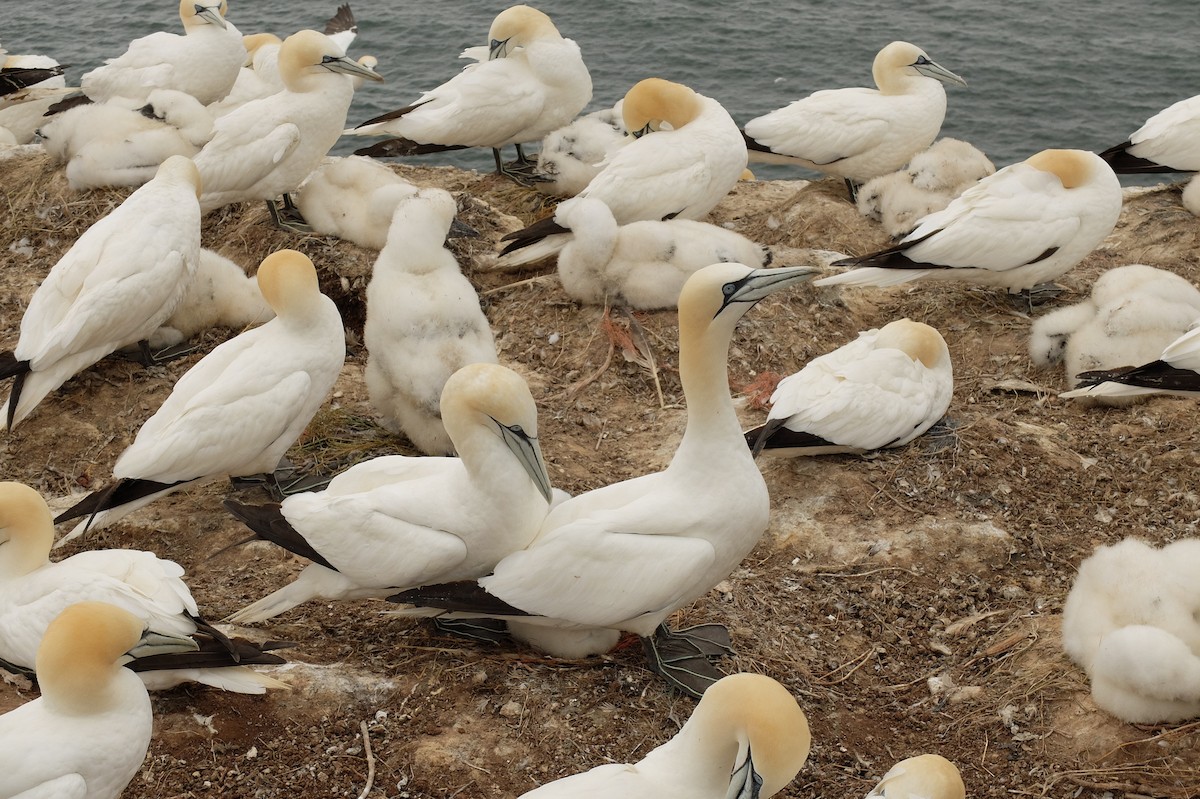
[[909, 599]]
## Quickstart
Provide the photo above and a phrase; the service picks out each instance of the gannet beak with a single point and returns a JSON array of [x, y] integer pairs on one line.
[[212, 15], [349, 67], [745, 782], [762, 282], [529, 453], [637, 134], [932, 69], [461, 230], [155, 643], [497, 49]]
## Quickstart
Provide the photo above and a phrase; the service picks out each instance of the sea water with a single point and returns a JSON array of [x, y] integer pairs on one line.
[[1040, 73]]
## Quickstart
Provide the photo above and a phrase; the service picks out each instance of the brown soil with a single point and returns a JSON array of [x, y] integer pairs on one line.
[[910, 599]]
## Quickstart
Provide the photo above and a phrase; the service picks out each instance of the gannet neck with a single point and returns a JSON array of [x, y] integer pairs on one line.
[[288, 282], [916, 340], [654, 103], [1073, 167], [26, 530], [78, 660]]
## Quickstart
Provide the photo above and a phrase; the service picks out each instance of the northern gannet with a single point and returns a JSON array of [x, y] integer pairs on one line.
[[746, 738], [883, 389], [626, 556], [859, 133], [921, 777], [34, 590], [398, 522], [1175, 371], [115, 286], [1168, 142], [240, 407], [423, 321], [87, 735], [204, 62], [353, 198], [267, 147], [688, 155], [220, 294], [1023, 226], [1132, 313], [533, 81], [572, 155], [641, 264]]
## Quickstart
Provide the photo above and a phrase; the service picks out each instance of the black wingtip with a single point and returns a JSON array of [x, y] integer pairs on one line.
[[268, 523], [1158, 375], [519, 239], [400, 148], [122, 492], [213, 654], [67, 103], [1125, 163], [343, 20], [754, 144], [467, 596]]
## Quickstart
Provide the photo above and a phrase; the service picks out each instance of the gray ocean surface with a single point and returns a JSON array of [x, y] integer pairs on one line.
[[1040, 73]]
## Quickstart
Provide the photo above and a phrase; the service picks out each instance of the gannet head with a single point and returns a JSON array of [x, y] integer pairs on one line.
[[1074, 168], [429, 209], [901, 59], [86, 646], [26, 530], [181, 168], [496, 398], [656, 104], [308, 53], [915, 339], [517, 26], [288, 282], [203, 12], [761, 718], [925, 776], [728, 290]]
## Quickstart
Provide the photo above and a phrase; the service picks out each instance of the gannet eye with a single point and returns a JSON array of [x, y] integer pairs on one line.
[[728, 289], [921, 60], [516, 428]]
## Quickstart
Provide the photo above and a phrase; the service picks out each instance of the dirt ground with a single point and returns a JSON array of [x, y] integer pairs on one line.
[[909, 599]]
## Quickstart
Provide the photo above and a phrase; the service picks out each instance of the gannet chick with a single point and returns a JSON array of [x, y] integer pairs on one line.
[[688, 155], [574, 154], [1176, 371], [746, 738], [87, 735], [642, 264], [883, 389], [533, 82], [204, 62], [1168, 142], [1023, 226], [35, 590], [461, 515], [116, 285], [24, 112], [626, 556], [423, 322], [860, 133], [921, 777], [1130, 620], [353, 198], [1191, 196], [267, 147], [1133, 312], [240, 407], [220, 294], [950, 165]]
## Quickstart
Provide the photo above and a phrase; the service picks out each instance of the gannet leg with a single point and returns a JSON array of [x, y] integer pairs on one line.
[[684, 659], [1042, 293], [852, 190], [288, 217], [491, 631]]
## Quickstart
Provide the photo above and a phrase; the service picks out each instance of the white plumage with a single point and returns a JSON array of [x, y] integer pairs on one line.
[[574, 154], [641, 264], [397, 522], [1132, 313], [240, 407], [1191, 196], [353, 198], [204, 62], [746, 738], [883, 389], [115, 287], [688, 155], [533, 82], [860, 133], [423, 321], [220, 294], [259, 76], [87, 735], [35, 590], [1168, 142], [1176, 371], [267, 147], [1131, 622], [920, 777], [1025, 225]]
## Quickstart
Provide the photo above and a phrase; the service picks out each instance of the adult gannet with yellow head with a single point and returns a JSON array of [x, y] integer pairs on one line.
[[87, 735], [1022, 226], [267, 147], [747, 738], [1168, 142], [204, 62], [860, 133], [398, 522], [116, 285], [240, 407], [626, 556], [921, 777], [688, 155], [35, 590], [533, 81]]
